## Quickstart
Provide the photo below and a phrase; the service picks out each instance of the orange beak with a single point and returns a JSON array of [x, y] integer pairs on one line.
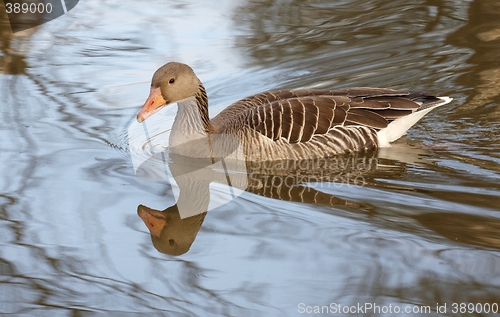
[[155, 220], [152, 105]]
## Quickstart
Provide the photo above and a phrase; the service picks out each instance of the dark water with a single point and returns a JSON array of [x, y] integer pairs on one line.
[[424, 230]]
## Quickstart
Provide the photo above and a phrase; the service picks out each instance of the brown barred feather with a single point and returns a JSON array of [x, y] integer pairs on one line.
[[391, 114], [366, 118], [397, 103], [298, 116], [369, 104], [340, 115], [287, 121]]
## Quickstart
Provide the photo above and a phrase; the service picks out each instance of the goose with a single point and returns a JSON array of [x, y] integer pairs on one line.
[[285, 124]]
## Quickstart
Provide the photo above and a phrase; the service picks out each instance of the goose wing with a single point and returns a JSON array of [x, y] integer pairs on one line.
[[299, 115]]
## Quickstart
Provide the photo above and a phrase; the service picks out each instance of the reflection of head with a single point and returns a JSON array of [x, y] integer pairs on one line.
[[169, 233]]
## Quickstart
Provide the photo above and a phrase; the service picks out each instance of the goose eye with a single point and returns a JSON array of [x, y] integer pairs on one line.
[[171, 81]]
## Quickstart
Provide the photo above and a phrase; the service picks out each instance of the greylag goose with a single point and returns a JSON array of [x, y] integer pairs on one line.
[[286, 124]]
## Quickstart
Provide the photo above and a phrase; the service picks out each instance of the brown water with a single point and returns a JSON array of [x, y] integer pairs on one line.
[[424, 230]]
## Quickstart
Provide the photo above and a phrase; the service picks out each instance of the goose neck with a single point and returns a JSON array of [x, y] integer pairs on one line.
[[192, 121]]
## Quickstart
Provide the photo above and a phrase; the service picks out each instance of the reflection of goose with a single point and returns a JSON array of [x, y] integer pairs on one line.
[[169, 233], [173, 234], [287, 124]]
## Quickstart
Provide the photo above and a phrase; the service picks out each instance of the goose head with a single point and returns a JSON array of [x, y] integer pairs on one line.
[[171, 82]]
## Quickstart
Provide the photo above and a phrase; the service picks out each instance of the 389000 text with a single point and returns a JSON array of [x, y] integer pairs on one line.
[[474, 308], [28, 8]]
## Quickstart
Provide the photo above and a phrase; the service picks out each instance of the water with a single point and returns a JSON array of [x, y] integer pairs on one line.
[[422, 231]]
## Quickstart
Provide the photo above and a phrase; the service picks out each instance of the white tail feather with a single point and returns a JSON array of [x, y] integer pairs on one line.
[[398, 127]]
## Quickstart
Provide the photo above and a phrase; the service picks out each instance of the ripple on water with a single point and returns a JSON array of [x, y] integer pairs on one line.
[[422, 229]]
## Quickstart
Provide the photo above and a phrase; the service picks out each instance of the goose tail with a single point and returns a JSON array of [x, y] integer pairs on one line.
[[398, 127]]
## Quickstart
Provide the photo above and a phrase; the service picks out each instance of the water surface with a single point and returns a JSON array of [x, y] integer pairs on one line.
[[422, 231]]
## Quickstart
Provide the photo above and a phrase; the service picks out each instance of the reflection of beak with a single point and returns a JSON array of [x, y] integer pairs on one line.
[[153, 104], [155, 220]]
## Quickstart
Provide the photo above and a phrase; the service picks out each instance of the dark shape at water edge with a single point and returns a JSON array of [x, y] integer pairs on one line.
[[463, 228], [26, 15], [70, 4]]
